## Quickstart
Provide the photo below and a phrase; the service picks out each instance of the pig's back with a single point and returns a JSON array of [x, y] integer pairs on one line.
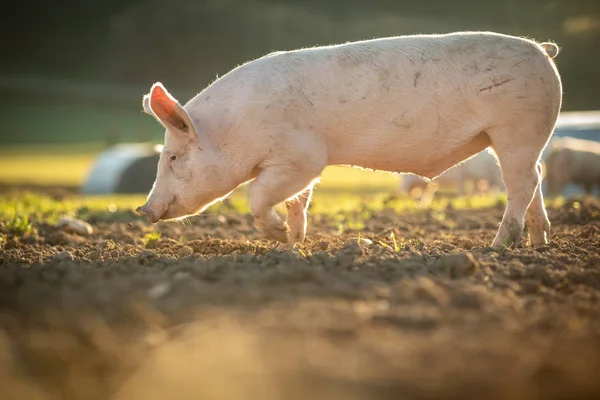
[[382, 103]]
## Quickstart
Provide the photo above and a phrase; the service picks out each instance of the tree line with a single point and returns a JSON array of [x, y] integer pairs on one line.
[[187, 43]]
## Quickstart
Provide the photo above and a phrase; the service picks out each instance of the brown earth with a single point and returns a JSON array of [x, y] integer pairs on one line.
[[209, 311]]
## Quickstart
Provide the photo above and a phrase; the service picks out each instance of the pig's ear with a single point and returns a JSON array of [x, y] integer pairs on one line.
[[146, 105], [168, 111]]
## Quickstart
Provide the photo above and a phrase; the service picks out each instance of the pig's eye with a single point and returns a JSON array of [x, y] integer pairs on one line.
[[173, 158]]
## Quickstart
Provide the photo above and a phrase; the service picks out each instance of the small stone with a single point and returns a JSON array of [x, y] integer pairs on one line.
[[158, 291], [222, 219], [361, 242], [64, 256], [185, 251], [365, 242], [74, 225]]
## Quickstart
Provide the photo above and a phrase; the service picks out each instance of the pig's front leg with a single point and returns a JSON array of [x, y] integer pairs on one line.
[[271, 187], [296, 219]]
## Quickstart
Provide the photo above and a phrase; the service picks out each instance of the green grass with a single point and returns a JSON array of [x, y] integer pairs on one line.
[[151, 239], [20, 212], [18, 225]]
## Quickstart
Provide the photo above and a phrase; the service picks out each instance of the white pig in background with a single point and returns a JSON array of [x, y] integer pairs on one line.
[[415, 104], [483, 167], [572, 161]]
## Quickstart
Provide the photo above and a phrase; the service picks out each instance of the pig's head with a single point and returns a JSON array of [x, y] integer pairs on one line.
[[188, 178]]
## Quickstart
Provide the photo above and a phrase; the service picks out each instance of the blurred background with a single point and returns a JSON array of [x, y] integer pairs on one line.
[[72, 73]]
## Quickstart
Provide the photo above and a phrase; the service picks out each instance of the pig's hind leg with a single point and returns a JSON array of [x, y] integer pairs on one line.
[[521, 176], [537, 218], [296, 219]]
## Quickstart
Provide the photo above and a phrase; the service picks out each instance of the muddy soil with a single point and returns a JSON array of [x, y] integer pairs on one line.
[[417, 307]]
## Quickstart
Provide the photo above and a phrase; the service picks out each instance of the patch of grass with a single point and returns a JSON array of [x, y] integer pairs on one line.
[[18, 225], [151, 239], [383, 244], [41, 208], [401, 245]]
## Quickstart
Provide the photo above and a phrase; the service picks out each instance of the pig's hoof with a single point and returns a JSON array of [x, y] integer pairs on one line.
[[507, 240], [499, 243], [280, 233], [509, 235], [538, 239], [281, 247], [539, 234]]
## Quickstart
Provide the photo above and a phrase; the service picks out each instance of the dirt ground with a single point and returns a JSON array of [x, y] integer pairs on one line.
[[208, 311]]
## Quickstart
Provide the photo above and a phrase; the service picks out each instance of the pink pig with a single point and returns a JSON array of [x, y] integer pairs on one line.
[[417, 104]]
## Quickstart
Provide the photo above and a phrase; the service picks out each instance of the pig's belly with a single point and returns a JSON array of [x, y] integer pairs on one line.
[[424, 156]]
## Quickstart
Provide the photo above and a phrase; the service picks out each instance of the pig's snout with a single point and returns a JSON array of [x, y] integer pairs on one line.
[[148, 213]]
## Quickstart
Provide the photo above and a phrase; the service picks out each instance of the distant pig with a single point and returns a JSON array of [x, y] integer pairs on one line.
[[416, 104], [481, 167], [572, 160]]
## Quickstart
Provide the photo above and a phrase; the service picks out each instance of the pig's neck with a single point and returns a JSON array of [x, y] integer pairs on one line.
[[238, 154]]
